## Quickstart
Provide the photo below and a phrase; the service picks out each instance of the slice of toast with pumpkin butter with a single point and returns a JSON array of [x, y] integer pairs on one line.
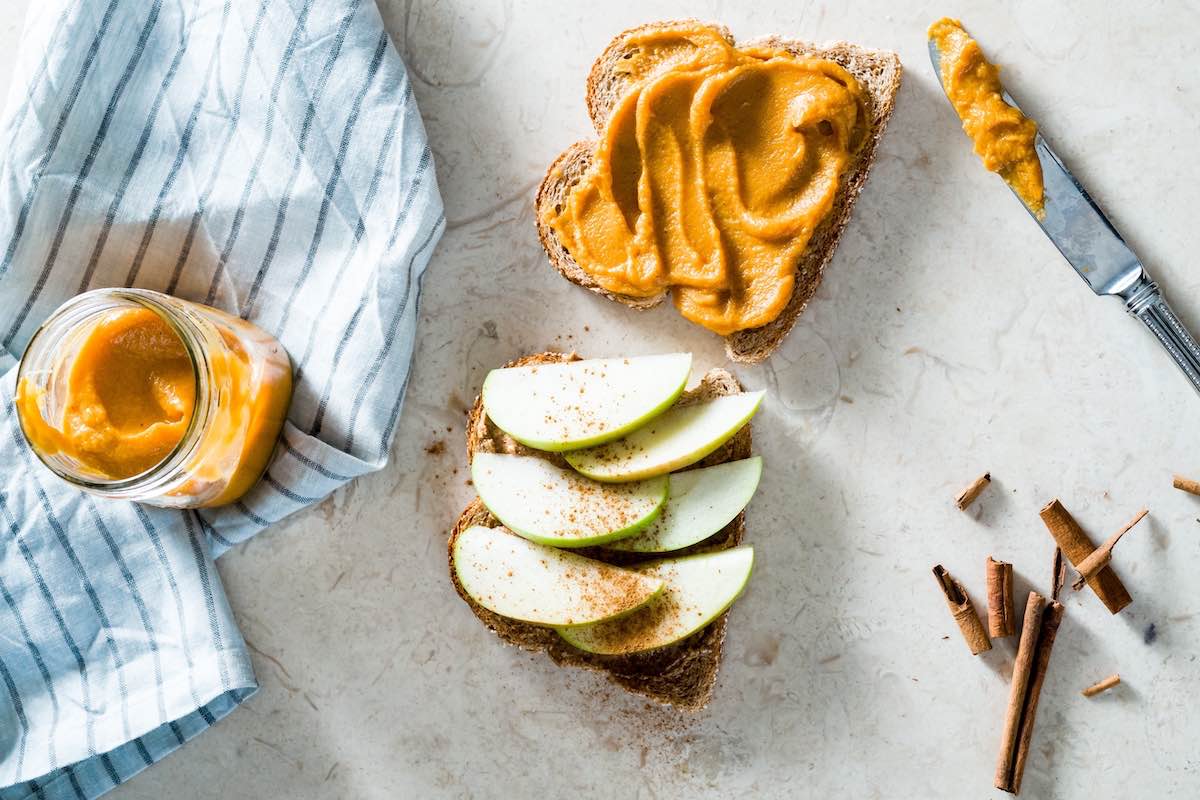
[[723, 176], [681, 674]]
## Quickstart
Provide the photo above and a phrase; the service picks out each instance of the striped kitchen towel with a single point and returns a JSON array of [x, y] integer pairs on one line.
[[263, 156]]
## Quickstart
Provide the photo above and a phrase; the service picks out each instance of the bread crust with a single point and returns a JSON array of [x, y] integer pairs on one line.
[[682, 675], [878, 71]]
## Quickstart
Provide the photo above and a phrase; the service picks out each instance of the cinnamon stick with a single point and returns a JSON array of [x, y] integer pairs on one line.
[[1103, 554], [1076, 546], [1033, 657], [1186, 484], [972, 492], [1001, 620], [1060, 574], [964, 611], [1010, 736], [1102, 686], [1051, 621]]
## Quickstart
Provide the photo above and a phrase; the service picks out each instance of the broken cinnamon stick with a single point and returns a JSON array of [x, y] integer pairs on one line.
[[964, 611], [1001, 621], [1076, 546], [1029, 673], [1060, 574], [1103, 554], [972, 492], [1186, 484], [1102, 686]]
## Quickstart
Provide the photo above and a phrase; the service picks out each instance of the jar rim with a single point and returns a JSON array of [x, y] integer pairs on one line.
[[190, 335]]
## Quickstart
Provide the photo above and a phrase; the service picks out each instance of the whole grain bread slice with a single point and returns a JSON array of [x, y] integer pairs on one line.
[[878, 71], [682, 675]]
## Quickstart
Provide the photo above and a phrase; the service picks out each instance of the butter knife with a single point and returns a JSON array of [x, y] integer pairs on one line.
[[1098, 253]]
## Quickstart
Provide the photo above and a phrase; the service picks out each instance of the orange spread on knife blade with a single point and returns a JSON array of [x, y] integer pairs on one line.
[[1003, 136]]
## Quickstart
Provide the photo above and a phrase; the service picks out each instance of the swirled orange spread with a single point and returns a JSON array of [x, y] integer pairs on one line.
[[1003, 136], [129, 396], [712, 173]]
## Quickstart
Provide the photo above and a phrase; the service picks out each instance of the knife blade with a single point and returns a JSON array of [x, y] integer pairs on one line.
[[1097, 252]]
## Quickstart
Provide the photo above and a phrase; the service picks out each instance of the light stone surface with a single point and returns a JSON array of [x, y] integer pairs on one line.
[[948, 338]]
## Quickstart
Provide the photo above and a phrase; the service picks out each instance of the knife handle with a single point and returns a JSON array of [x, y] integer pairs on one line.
[[1146, 302]]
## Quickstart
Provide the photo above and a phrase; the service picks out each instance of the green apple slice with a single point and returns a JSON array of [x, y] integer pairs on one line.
[[559, 507], [700, 503], [577, 404], [672, 441], [698, 589], [530, 582]]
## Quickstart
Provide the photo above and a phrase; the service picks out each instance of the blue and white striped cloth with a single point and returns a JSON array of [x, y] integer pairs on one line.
[[264, 156]]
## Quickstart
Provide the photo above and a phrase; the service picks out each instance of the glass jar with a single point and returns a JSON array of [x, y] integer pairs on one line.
[[137, 395]]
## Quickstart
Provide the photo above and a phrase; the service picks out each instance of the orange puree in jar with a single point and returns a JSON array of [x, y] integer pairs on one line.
[[130, 394], [137, 395], [252, 378], [712, 174]]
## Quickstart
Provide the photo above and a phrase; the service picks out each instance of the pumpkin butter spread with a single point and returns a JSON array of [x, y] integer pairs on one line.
[[131, 392], [1003, 136], [712, 173]]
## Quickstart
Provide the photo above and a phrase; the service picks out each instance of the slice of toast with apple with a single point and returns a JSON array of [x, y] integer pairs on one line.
[[705, 575]]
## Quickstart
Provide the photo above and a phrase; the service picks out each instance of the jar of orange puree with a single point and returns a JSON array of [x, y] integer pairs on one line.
[[137, 395]]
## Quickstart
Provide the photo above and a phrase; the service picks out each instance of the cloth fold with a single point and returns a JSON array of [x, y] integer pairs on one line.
[[266, 157]]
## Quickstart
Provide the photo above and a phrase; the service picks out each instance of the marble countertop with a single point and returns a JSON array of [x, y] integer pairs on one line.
[[948, 338]]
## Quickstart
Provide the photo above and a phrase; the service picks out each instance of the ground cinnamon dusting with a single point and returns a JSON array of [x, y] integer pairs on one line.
[[589, 508], [643, 628], [613, 590]]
